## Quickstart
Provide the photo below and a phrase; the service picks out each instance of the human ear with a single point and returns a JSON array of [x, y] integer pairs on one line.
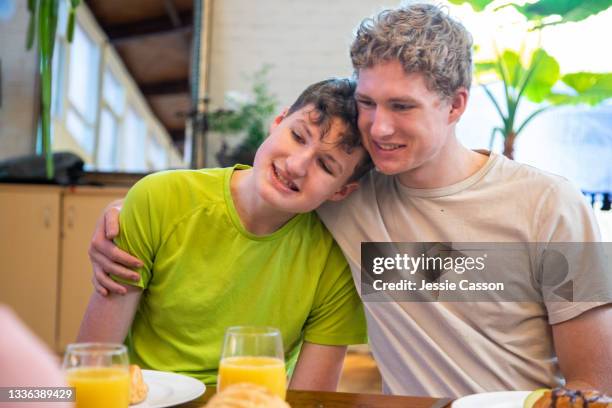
[[345, 191], [457, 105]]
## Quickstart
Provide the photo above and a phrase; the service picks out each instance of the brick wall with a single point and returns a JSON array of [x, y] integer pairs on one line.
[[17, 116], [304, 41]]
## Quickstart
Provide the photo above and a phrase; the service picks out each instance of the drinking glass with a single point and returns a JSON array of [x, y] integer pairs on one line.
[[253, 355], [100, 373]]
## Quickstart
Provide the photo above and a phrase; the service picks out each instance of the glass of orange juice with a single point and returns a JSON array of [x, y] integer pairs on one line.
[[100, 374], [253, 355]]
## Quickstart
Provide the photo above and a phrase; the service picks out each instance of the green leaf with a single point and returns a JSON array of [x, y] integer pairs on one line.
[[250, 118], [44, 16], [585, 81], [590, 88], [31, 24], [485, 67], [511, 62], [71, 19], [70, 27], [545, 75], [477, 5], [568, 10], [47, 25]]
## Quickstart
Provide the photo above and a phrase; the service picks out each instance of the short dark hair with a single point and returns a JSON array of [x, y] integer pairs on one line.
[[335, 98]]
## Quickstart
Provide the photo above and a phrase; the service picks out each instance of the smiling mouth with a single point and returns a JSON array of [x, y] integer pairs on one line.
[[287, 183], [388, 147]]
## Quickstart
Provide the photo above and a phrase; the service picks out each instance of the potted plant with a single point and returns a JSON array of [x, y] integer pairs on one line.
[[248, 117], [536, 82], [537, 79], [43, 24]]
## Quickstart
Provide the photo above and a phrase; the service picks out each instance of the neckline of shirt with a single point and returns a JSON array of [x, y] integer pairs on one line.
[[235, 218], [453, 188]]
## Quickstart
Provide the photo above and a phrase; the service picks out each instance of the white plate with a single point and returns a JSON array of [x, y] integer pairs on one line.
[[167, 389], [503, 399]]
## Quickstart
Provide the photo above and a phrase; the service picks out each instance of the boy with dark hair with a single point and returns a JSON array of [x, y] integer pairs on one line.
[[234, 246]]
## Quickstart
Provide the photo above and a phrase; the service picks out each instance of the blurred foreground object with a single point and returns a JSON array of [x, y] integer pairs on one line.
[[26, 362]]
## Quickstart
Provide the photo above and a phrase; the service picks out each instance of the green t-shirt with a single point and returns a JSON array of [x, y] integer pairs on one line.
[[203, 272]]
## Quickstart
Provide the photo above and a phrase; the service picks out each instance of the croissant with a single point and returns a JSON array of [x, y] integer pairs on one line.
[[245, 395], [138, 388]]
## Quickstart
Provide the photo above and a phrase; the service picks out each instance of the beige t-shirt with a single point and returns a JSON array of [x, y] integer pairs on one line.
[[455, 349]]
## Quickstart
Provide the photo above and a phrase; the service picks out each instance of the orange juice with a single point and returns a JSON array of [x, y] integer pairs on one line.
[[266, 371], [100, 387]]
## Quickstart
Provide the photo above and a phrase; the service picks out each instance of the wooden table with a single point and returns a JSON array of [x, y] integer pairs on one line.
[[318, 399]]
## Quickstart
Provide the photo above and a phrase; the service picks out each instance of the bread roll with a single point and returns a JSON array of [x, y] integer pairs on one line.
[[246, 395], [138, 388]]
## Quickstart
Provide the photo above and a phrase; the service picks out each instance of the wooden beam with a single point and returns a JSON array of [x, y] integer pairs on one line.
[[155, 26], [165, 88], [172, 12]]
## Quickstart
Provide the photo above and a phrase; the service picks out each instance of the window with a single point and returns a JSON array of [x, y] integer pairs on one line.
[[107, 141], [113, 92], [113, 104], [57, 94], [83, 89], [97, 111], [156, 154], [133, 142]]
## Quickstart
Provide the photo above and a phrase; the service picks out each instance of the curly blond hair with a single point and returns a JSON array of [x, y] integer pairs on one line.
[[424, 39]]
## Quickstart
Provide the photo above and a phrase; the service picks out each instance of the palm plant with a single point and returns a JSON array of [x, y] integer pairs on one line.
[[537, 82], [44, 15], [543, 13], [540, 79]]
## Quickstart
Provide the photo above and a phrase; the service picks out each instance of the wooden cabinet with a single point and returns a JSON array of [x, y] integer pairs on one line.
[[45, 274], [81, 209], [29, 256]]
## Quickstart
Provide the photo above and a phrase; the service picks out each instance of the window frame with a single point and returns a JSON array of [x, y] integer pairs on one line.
[[133, 99]]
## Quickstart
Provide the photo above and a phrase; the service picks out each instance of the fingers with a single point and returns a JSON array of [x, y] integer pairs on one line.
[[104, 284], [109, 250], [99, 288], [108, 266], [111, 222], [121, 257], [107, 258]]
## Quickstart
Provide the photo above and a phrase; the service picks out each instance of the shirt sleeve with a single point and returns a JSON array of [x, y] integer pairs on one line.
[[567, 226], [140, 228], [337, 316]]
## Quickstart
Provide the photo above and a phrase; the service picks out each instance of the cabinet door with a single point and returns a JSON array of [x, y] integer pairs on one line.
[[81, 209], [29, 237]]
